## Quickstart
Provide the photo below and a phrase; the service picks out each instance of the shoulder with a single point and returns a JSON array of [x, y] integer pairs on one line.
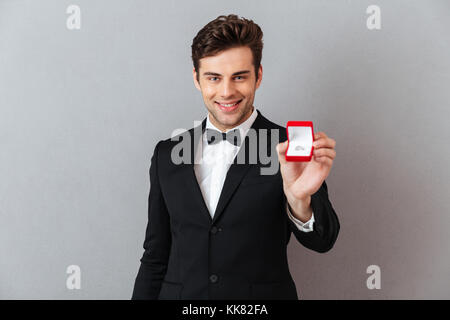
[[270, 125], [183, 136]]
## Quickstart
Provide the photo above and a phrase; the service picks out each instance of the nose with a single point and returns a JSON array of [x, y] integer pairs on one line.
[[227, 88]]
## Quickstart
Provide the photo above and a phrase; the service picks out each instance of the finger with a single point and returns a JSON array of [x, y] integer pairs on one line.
[[325, 152], [319, 135], [324, 143], [324, 160]]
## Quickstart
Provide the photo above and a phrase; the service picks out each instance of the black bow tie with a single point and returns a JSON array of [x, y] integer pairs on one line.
[[214, 136]]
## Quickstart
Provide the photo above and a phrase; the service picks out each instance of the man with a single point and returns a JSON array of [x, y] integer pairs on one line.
[[218, 229]]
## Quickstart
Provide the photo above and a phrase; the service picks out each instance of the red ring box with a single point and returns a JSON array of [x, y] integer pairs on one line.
[[300, 136]]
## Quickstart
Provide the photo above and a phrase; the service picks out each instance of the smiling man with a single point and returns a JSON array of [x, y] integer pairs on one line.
[[218, 229]]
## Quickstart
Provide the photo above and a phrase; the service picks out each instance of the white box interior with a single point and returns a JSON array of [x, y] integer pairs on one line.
[[300, 141]]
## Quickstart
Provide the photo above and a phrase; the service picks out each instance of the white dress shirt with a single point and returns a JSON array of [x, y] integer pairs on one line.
[[212, 162]]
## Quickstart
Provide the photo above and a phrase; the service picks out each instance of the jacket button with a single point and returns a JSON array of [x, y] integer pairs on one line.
[[214, 230], [213, 278]]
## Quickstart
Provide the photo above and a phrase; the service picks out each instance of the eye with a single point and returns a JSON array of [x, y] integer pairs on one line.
[[213, 78], [241, 78]]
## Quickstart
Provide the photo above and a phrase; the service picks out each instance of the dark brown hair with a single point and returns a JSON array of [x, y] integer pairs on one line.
[[226, 32]]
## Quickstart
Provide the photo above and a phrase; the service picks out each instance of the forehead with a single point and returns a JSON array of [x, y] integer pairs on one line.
[[228, 61]]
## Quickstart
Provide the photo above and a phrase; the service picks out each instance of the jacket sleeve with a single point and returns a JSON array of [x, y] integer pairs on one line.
[[157, 240], [326, 224]]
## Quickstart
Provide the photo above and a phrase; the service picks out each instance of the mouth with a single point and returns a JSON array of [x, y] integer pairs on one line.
[[229, 106]]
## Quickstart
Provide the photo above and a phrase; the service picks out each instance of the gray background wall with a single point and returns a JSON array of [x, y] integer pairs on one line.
[[81, 111]]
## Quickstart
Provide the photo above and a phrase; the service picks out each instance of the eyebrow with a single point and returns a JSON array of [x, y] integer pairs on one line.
[[219, 75]]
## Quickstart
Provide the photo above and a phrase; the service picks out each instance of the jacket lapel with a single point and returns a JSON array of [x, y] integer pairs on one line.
[[192, 182]]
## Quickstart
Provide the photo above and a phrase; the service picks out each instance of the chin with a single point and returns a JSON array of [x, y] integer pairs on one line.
[[230, 119]]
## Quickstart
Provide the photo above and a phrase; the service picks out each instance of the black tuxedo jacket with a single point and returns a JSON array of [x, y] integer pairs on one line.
[[240, 253]]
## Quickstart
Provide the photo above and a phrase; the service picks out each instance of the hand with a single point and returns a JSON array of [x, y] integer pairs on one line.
[[303, 179]]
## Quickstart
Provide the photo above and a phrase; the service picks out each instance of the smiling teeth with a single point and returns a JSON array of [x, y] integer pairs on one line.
[[229, 105]]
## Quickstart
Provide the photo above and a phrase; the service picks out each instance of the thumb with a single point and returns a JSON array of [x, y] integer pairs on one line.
[[281, 149]]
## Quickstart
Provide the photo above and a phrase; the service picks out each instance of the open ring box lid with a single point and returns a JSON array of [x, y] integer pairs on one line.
[[300, 139]]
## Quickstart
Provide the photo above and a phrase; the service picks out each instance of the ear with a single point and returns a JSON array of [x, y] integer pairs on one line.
[[260, 73], [196, 83]]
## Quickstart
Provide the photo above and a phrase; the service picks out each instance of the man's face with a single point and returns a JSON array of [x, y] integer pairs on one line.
[[224, 80]]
